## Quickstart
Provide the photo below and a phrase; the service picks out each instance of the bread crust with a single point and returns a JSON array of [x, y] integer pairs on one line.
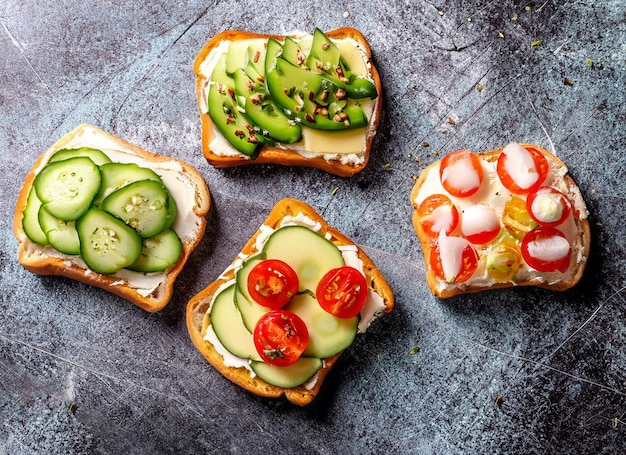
[[583, 234], [39, 260], [197, 320], [276, 155]]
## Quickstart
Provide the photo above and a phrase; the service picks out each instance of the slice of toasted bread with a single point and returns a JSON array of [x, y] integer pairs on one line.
[[149, 291], [198, 307], [332, 161], [493, 194]]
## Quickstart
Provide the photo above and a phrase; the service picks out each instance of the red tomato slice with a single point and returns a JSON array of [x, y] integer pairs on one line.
[[272, 283], [548, 206], [461, 173], [437, 212], [342, 292], [280, 337], [546, 249], [521, 170], [453, 259]]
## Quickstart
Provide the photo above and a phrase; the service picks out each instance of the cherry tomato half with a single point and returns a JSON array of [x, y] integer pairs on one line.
[[342, 292], [461, 173], [548, 206], [480, 224], [272, 283], [453, 259], [521, 170], [437, 212], [546, 249], [280, 337]]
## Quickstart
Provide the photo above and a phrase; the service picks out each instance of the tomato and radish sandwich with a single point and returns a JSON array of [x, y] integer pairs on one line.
[[508, 217], [278, 318], [304, 99], [98, 209]]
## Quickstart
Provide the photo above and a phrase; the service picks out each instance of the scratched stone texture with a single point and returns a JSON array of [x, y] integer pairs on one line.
[[82, 371]]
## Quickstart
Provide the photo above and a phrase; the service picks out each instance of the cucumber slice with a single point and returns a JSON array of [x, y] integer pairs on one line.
[[328, 334], [307, 252], [95, 155], [67, 187], [107, 244], [30, 220], [145, 205], [62, 235], [117, 175], [291, 376], [228, 326], [249, 309], [159, 252]]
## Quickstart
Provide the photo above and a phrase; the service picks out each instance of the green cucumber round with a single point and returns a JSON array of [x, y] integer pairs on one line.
[[68, 187], [145, 205], [107, 244]]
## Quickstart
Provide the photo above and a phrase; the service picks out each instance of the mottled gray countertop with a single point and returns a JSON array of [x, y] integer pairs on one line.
[[82, 371]]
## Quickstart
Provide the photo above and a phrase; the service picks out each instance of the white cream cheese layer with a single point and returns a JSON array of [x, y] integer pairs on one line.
[[346, 146], [495, 195], [177, 182], [374, 305]]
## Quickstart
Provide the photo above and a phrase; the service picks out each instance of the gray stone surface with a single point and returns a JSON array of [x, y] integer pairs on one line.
[[82, 371]]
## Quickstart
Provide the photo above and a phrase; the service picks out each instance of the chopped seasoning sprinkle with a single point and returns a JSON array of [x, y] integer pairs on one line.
[[514, 18], [535, 43], [346, 14], [616, 422], [440, 12], [415, 350], [500, 34], [436, 153], [527, 8], [590, 63], [418, 159], [425, 144], [410, 155], [335, 190], [567, 81], [72, 407], [451, 121], [469, 19], [387, 164], [479, 87], [414, 177], [499, 400]]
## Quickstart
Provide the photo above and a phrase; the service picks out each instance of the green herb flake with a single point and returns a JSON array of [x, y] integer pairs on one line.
[[535, 43], [415, 350], [499, 400]]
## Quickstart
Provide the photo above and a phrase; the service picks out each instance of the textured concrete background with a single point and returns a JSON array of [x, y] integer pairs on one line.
[[82, 371]]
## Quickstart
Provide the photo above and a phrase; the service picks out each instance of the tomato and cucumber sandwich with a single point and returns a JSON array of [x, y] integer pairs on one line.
[[508, 217], [278, 318], [300, 100], [102, 211]]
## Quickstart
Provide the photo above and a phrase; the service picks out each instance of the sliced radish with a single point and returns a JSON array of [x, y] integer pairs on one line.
[[461, 173], [521, 170]]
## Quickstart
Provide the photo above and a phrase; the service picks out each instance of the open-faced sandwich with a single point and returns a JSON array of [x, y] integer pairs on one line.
[[298, 100], [102, 211], [277, 319], [508, 217]]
